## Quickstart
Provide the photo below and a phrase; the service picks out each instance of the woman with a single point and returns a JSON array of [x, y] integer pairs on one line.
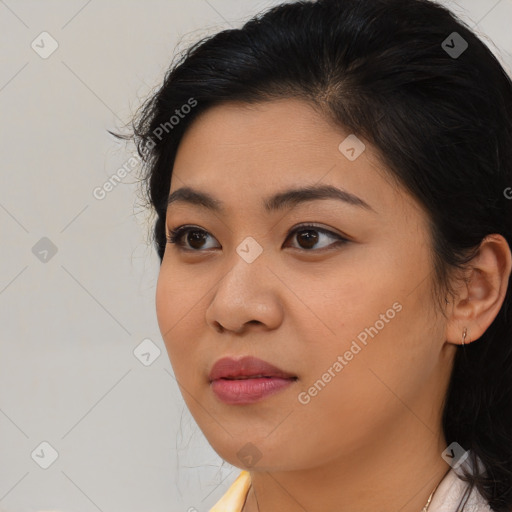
[[332, 184]]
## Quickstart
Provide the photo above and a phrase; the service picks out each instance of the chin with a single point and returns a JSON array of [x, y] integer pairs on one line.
[[248, 453]]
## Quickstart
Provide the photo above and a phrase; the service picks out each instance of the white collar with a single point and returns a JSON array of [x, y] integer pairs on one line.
[[452, 493]]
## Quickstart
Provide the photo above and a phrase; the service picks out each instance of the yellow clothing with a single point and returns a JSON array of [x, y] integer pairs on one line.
[[234, 499]]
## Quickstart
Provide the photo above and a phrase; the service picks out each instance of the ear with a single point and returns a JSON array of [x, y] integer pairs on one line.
[[481, 296]]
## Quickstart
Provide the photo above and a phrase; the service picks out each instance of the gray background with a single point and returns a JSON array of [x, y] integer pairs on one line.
[[72, 319]]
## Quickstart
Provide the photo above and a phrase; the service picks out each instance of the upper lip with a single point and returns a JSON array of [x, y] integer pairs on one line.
[[248, 366]]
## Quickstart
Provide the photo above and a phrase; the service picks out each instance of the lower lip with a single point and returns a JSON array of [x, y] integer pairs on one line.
[[248, 391]]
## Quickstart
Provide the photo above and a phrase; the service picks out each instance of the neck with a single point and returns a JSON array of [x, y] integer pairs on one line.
[[397, 472]]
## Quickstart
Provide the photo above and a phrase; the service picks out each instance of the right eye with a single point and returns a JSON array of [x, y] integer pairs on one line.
[[194, 236]]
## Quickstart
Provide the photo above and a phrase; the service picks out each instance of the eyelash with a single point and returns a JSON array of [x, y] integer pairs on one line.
[[175, 235]]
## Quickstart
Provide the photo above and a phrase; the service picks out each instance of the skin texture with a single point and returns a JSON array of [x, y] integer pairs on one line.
[[371, 439]]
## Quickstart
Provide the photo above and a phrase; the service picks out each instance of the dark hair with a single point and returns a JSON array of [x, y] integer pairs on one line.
[[440, 122]]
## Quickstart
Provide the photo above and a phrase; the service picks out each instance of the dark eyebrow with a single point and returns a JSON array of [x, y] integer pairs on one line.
[[288, 198]]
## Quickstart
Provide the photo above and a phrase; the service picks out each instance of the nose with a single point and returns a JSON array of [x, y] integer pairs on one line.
[[247, 295]]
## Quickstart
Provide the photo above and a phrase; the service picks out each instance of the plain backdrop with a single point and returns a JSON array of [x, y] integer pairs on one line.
[[91, 417]]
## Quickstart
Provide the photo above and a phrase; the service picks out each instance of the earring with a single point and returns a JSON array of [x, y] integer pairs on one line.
[[464, 335]]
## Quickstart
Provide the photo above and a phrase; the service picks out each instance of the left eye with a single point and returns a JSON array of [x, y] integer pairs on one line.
[[308, 237]]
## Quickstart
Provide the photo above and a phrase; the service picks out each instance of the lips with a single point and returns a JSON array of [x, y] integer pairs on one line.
[[246, 368], [247, 381]]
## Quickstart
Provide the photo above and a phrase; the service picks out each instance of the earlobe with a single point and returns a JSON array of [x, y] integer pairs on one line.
[[483, 292]]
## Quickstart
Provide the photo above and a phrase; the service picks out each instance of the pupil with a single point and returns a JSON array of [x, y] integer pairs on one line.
[[197, 236], [310, 239]]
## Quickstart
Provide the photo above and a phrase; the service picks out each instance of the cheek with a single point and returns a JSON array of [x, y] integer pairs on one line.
[[178, 296], [165, 293], [374, 319], [166, 302], [177, 307], [343, 298]]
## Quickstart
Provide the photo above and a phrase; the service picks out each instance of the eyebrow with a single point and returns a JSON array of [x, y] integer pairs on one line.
[[287, 199]]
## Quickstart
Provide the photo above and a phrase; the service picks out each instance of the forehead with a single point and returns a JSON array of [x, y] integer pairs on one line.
[[247, 152]]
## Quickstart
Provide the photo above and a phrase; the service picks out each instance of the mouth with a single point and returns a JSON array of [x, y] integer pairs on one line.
[[247, 380]]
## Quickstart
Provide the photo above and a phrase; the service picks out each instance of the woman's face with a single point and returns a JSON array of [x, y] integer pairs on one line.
[[351, 323]]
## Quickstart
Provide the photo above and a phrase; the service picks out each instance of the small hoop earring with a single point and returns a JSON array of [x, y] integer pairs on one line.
[[464, 335]]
